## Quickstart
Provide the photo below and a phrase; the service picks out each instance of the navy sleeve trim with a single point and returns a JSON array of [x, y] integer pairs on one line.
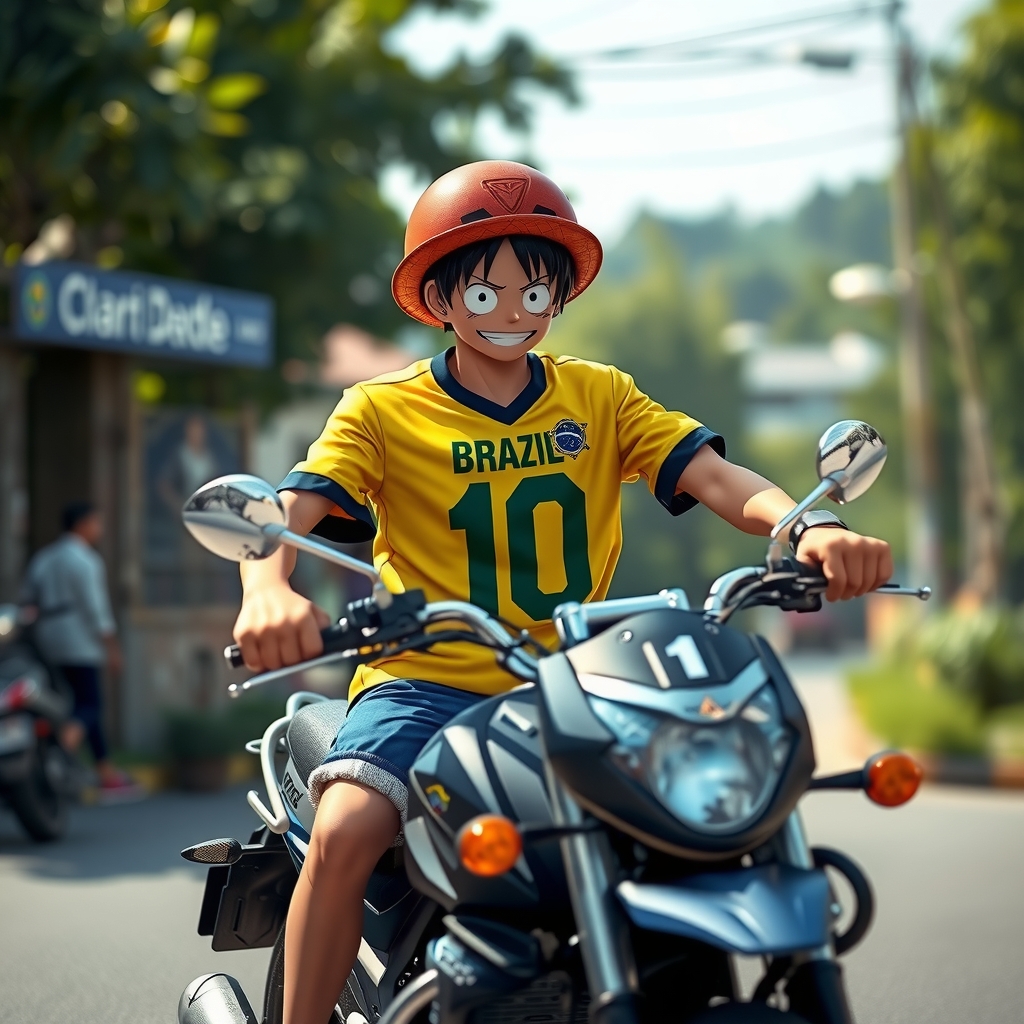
[[361, 527], [678, 459]]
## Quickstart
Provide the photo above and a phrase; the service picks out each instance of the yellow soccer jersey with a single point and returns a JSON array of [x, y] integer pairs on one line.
[[515, 508]]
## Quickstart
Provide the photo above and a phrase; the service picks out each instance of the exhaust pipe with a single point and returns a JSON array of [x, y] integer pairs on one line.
[[215, 999]]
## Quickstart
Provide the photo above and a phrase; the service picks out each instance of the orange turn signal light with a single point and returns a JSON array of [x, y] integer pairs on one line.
[[489, 845], [892, 778]]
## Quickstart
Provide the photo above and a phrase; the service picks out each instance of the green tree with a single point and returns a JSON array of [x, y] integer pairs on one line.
[[239, 142], [653, 326], [980, 143]]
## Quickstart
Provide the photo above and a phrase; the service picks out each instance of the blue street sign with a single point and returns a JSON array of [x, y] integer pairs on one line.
[[141, 314]]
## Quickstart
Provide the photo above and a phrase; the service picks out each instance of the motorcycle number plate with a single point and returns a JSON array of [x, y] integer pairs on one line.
[[16, 734]]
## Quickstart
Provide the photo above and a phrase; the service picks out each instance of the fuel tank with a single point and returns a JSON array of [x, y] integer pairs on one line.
[[486, 760]]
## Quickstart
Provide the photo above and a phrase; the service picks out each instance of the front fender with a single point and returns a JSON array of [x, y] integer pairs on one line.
[[772, 909]]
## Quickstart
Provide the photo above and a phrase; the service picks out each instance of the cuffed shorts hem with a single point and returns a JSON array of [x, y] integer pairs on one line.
[[367, 770]]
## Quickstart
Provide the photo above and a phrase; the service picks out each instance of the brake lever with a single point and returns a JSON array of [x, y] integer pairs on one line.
[[897, 590]]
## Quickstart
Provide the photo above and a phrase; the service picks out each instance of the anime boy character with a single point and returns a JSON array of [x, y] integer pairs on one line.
[[493, 474]]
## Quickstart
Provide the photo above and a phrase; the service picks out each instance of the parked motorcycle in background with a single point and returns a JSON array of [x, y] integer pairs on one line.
[[600, 841], [36, 773]]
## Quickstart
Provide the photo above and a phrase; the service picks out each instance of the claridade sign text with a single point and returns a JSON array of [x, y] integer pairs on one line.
[[116, 311]]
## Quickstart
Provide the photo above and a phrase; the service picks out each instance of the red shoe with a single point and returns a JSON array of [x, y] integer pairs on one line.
[[119, 788]]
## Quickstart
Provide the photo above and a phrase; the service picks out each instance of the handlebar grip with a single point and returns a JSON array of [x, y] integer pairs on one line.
[[335, 638], [813, 569], [338, 637]]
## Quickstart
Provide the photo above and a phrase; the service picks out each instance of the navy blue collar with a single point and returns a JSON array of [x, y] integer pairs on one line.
[[506, 414]]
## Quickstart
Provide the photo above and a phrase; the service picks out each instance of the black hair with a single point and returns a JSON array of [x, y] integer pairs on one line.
[[74, 512], [536, 256]]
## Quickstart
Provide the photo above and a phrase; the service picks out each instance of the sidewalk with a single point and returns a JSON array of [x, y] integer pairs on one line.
[[840, 740]]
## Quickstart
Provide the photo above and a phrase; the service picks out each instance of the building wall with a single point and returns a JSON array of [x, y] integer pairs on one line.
[[13, 483], [174, 659], [71, 429]]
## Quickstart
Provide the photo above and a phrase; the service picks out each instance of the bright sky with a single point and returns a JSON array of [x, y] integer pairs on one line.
[[757, 131]]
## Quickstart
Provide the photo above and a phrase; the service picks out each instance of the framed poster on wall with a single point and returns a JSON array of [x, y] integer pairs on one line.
[[182, 450]]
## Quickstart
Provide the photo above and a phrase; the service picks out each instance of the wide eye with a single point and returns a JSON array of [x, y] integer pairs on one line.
[[480, 299], [536, 298]]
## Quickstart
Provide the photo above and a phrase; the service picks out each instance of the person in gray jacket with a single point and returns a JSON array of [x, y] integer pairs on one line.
[[75, 630]]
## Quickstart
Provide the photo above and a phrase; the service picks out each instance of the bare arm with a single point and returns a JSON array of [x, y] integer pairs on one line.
[[303, 509], [738, 495], [276, 626], [853, 565]]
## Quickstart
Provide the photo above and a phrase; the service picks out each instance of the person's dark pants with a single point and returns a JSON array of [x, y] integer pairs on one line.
[[84, 681]]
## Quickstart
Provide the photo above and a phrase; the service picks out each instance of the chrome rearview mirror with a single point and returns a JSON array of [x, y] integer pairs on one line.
[[241, 518], [850, 456], [229, 516]]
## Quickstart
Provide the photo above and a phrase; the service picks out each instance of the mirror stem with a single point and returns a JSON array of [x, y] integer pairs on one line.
[[323, 551], [825, 487]]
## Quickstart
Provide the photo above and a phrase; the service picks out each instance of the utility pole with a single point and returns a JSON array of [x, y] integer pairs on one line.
[[983, 527], [915, 378]]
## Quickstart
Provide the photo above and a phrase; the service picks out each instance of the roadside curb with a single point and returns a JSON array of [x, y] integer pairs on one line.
[[158, 777], [1000, 773]]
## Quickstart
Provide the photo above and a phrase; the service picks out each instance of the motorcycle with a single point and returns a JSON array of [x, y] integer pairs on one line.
[[36, 772], [597, 842]]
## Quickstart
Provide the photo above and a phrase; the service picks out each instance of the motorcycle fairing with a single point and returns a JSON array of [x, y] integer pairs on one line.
[[486, 760], [721, 652], [772, 909], [733, 664]]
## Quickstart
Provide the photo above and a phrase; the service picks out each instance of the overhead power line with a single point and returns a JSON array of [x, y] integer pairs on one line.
[[734, 156], [740, 102], [845, 12]]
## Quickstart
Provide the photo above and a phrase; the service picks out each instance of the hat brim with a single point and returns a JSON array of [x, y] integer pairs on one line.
[[583, 245]]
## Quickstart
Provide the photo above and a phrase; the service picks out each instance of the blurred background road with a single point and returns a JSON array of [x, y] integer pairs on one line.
[[107, 918]]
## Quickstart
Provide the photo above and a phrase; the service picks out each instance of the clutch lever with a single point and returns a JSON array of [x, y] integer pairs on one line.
[[368, 624], [237, 689]]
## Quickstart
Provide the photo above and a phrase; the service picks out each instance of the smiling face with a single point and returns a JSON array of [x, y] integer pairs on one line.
[[500, 311]]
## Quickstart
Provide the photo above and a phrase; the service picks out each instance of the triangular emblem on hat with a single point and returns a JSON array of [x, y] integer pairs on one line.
[[509, 192]]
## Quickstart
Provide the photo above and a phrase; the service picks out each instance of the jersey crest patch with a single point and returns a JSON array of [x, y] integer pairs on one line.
[[569, 438]]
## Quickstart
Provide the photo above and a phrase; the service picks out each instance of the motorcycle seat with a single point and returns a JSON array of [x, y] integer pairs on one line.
[[311, 734]]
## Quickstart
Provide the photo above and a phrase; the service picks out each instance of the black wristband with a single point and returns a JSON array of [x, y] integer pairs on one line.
[[807, 520]]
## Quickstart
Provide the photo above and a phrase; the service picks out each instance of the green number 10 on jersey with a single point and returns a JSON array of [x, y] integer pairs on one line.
[[474, 514]]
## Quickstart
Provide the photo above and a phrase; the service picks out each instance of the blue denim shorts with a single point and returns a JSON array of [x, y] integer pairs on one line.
[[384, 732]]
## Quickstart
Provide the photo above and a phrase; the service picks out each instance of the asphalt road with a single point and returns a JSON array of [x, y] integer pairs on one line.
[[100, 929]]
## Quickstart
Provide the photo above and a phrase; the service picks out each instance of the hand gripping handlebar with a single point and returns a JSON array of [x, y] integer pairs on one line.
[[338, 637], [365, 625]]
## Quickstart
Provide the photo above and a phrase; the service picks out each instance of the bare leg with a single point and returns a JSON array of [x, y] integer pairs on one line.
[[354, 826]]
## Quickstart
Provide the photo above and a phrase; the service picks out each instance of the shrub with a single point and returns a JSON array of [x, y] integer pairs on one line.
[[914, 709], [191, 734], [981, 654]]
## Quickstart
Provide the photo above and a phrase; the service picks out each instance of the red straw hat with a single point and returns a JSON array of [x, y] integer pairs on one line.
[[488, 199]]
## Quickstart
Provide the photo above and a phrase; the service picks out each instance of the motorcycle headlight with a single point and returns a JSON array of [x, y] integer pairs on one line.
[[715, 777]]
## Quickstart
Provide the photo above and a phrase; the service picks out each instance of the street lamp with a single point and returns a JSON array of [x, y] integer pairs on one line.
[[866, 284]]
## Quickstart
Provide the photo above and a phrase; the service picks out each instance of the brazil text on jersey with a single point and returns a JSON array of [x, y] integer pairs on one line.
[[521, 452]]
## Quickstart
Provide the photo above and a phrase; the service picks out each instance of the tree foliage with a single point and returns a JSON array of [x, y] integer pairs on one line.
[[239, 142], [653, 326], [980, 140], [657, 311]]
